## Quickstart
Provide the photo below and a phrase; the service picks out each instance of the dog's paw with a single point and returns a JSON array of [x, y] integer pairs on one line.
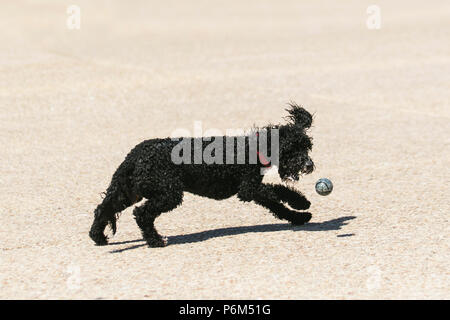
[[102, 242], [300, 218], [157, 242], [300, 204]]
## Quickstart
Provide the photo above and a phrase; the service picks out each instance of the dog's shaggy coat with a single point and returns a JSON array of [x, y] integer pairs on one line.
[[149, 172]]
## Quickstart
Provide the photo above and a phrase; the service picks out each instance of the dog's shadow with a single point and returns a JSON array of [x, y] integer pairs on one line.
[[334, 224]]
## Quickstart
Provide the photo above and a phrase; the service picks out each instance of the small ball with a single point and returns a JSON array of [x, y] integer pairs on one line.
[[324, 186]]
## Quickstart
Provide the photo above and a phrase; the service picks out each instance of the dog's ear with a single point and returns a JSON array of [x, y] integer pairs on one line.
[[299, 116]]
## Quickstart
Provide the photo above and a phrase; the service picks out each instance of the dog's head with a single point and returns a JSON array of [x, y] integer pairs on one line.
[[295, 144]]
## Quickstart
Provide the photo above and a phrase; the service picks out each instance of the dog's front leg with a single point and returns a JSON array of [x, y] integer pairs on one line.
[[294, 198], [266, 196]]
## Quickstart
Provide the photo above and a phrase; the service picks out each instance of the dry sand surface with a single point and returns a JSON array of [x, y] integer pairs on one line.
[[74, 102]]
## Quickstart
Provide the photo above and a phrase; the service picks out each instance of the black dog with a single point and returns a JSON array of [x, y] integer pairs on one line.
[[149, 171]]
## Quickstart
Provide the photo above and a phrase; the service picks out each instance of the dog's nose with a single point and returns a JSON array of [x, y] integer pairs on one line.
[[309, 166]]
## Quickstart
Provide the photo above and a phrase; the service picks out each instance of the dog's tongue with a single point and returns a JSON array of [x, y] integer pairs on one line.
[[263, 160]]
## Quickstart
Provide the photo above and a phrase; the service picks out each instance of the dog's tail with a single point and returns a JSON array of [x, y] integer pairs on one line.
[[108, 211], [117, 197]]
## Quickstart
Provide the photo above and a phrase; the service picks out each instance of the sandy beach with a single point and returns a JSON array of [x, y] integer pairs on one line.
[[73, 103]]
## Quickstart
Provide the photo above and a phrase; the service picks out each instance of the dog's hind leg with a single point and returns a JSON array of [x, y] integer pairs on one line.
[[158, 201]]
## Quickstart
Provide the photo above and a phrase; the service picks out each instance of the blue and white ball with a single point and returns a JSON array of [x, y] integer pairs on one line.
[[324, 186]]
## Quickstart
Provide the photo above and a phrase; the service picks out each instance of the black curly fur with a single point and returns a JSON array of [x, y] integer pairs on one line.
[[148, 172]]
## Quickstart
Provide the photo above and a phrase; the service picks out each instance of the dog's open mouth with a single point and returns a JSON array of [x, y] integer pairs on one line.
[[296, 176], [292, 177]]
